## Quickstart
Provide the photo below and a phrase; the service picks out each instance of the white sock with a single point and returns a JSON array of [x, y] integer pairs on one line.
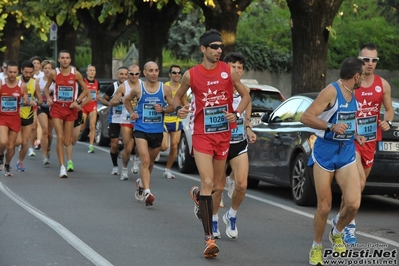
[[232, 213], [146, 191], [316, 244], [167, 170], [215, 217], [336, 232]]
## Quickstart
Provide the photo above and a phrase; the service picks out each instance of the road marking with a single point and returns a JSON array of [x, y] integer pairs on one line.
[[73, 240], [281, 206]]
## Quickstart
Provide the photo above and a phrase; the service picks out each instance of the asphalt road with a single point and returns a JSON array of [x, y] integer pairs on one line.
[[92, 218]]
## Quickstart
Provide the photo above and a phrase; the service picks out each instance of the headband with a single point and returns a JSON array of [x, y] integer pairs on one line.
[[213, 37]]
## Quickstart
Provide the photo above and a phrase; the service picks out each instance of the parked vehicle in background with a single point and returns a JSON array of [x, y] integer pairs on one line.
[[281, 152], [264, 100]]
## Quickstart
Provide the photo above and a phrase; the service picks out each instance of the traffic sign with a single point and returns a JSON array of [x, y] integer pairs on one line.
[[53, 32]]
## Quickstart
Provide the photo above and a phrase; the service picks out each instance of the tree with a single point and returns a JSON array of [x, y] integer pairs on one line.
[[223, 15], [311, 21]]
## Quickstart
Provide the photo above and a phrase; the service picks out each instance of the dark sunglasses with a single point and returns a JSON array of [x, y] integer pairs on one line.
[[215, 46], [134, 74], [368, 59], [176, 72]]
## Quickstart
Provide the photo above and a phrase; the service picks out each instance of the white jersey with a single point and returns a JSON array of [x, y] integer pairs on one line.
[[119, 114], [40, 75], [42, 84], [238, 134]]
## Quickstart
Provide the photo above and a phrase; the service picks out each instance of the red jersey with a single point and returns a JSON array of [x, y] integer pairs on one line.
[[92, 86], [66, 89], [212, 96], [369, 102], [10, 99]]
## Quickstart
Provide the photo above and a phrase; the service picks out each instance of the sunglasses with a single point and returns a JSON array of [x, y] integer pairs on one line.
[[134, 74], [176, 72], [369, 59], [215, 46]]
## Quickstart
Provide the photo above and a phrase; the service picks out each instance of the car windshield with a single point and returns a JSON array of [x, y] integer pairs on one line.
[[395, 104], [265, 100]]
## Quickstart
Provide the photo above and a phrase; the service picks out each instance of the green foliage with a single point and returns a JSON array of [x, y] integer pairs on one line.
[[259, 57], [120, 51], [82, 57], [169, 59], [359, 22]]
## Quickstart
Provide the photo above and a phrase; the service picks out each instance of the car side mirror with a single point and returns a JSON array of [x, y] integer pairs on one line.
[[265, 117]]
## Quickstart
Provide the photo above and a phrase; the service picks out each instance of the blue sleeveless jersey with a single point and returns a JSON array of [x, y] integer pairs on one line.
[[150, 121]]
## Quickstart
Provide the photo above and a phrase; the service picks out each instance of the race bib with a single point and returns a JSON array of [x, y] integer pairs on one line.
[[65, 93], [367, 127], [215, 120], [9, 104], [237, 134], [348, 118], [150, 115]]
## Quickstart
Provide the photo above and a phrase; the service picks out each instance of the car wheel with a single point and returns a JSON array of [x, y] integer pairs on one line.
[[252, 183], [185, 161], [303, 191], [100, 139]]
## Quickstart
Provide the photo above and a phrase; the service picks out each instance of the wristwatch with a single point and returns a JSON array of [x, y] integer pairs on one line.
[[329, 127], [389, 123], [238, 115]]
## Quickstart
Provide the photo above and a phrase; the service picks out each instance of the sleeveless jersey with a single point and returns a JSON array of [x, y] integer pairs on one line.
[[212, 92], [239, 133], [171, 117], [66, 89], [92, 86], [10, 99], [150, 121], [118, 114], [42, 84], [368, 114], [26, 111], [341, 112]]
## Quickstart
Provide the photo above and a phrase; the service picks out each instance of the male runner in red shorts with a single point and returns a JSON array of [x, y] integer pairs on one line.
[[212, 118], [63, 104]]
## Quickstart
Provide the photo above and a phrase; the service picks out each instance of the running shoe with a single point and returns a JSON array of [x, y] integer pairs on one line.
[[211, 249], [231, 228], [124, 175], [168, 175], [31, 152], [135, 168], [194, 193], [337, 242], [37, 144], [316, 255], [149, 199], [63, 172], [70, 166], [349, 234], [230, 186], [91, 149], [7, 170], [45, 160], [20, 167], [115, 170], [139, 190], [215, 230], [1, 162]]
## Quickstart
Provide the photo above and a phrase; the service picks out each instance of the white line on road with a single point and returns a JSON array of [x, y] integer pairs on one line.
[[78, 244]]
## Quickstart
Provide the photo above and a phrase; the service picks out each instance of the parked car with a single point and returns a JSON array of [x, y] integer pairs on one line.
[[264, 99], [284, 144]]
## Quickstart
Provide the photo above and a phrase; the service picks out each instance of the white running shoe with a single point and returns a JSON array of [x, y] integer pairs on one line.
[[124, 175], [168, 174], [31, 152], [63, 172], [139, 190], [45, 160], [231, 228], [115, 171], [230, 185], [215, 230], [135, 167]]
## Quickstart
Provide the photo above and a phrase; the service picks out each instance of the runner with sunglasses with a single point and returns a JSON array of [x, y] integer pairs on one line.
[[373, 91]]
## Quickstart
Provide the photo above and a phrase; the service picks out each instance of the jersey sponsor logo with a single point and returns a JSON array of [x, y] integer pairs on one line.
[[224, 152], [209, 83], [16, 94], [366, 108], [378, 89], [213, 97], [367, 93], [71, 81], [224, 75]]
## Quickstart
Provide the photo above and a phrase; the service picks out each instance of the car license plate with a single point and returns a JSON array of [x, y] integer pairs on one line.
[[388, 146]]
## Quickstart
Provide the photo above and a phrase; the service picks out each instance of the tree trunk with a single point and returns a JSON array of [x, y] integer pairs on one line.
[[153, 28], [66, 40], [224, 18], [103, 37], [310, 19], [12, 38]]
